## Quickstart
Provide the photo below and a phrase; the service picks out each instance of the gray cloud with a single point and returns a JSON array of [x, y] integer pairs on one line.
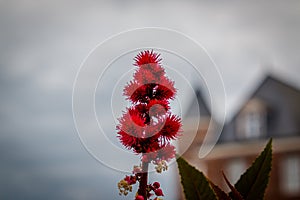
[[43, 43]]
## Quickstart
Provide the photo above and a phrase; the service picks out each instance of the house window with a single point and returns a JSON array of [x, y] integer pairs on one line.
[[254, 125], [234, 169], [251, 122], [290, 175]]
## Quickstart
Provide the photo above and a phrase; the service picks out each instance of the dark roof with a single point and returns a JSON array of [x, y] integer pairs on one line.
[[283, 102], [197, 104]]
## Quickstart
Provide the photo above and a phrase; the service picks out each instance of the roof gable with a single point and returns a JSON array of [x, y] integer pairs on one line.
[[197, 104], [283, 104]]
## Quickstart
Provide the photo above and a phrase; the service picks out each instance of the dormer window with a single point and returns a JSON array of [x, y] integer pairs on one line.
[[251, 122], [254, 124]]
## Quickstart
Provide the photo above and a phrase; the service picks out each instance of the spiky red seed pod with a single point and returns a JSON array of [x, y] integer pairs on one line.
[[139, 93], [127, 140], [150, 73], [165, 89], [132, 124], [172, 125], [146, 57], [158, 107]]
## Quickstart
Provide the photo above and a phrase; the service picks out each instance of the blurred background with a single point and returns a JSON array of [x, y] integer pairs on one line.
[[255, 44]]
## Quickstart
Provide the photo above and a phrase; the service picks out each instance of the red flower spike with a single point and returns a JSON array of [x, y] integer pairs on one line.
[[147, 126], [147, 57]]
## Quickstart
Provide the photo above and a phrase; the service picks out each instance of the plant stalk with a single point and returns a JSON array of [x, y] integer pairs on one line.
[[144, 180]]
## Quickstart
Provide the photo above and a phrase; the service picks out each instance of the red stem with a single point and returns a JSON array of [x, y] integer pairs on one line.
[[144, 180]]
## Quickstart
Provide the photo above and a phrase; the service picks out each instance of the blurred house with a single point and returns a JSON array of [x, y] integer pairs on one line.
[[272, 110]]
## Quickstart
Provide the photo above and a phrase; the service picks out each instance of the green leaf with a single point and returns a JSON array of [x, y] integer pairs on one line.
[[195, 184], [219, 192], [254, 181]]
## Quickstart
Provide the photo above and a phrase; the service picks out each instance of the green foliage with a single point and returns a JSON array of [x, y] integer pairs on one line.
[[251, 185], [195, 184], [254, 181]]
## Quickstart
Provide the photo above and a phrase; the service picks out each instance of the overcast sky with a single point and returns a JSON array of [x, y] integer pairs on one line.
[[43, 43]]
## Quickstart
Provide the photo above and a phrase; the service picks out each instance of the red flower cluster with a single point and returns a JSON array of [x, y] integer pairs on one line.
[[150, 82], [148, 126]]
